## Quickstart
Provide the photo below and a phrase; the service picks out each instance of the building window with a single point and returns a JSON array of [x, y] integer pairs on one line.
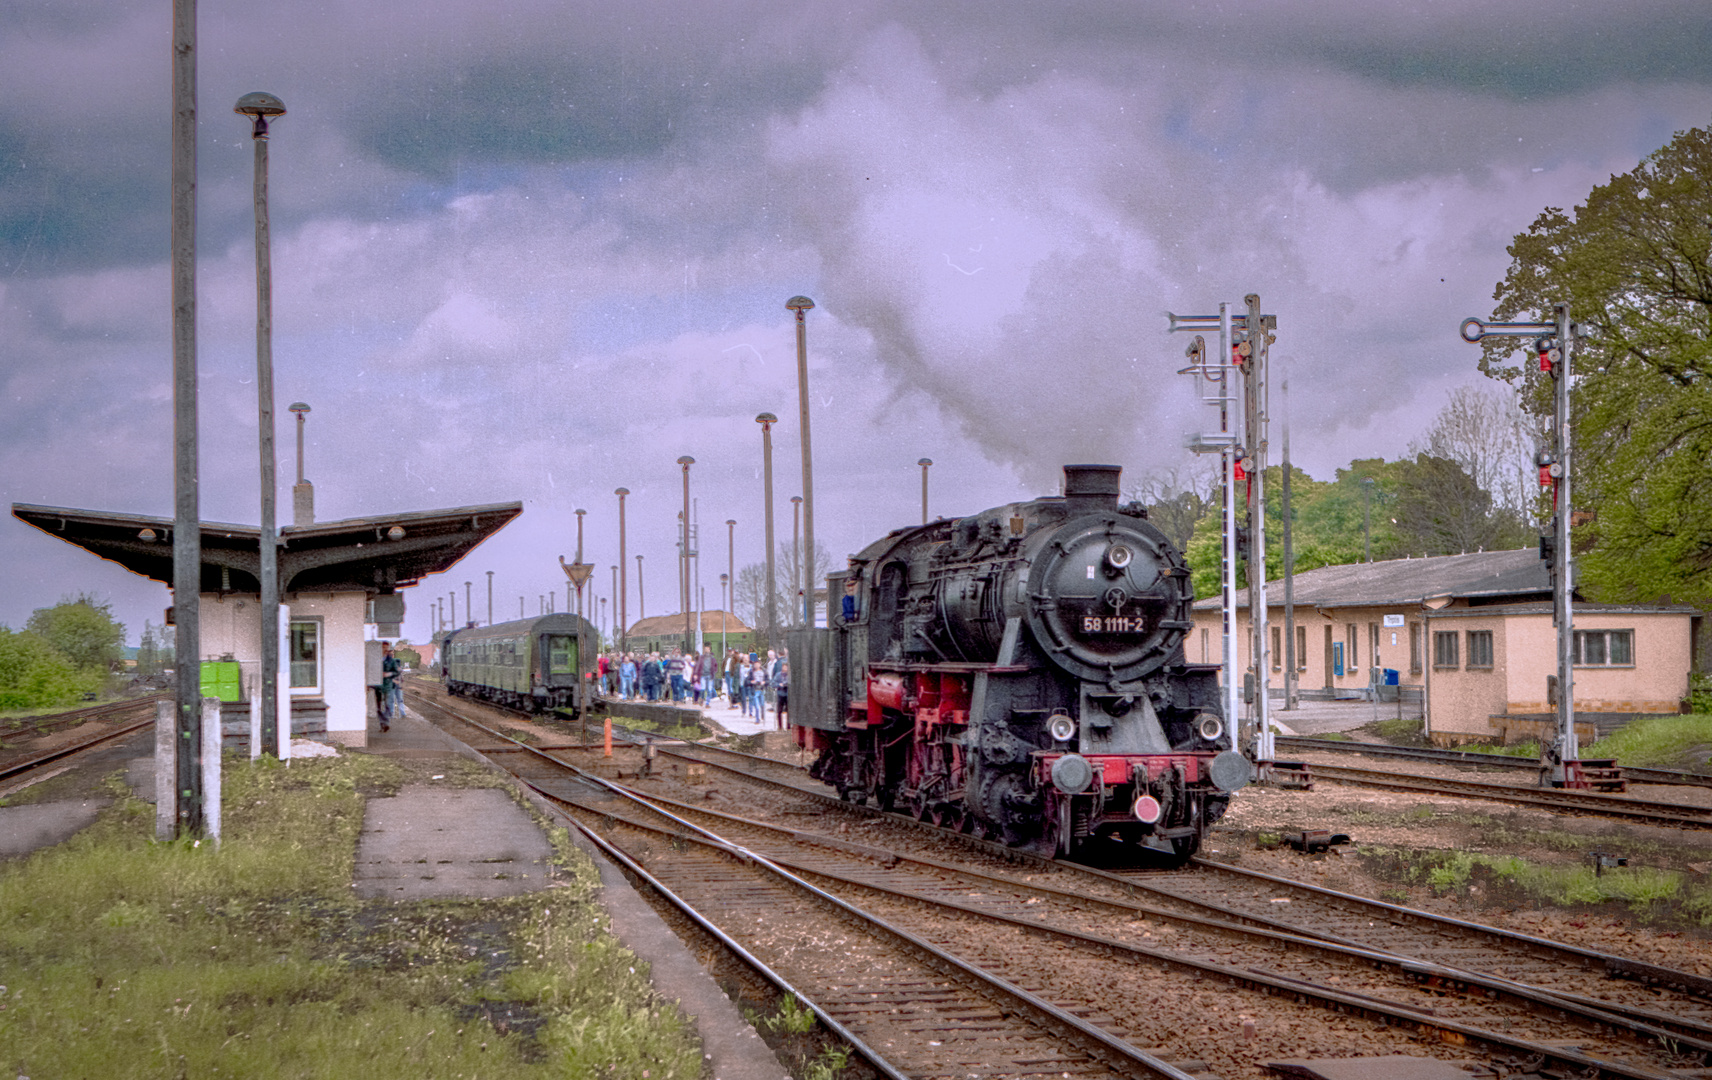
[[1604, 648], [1480, 648], [1277, 650], [1206, 656], [1301, 648], [1414, 648], [1353, 649], [1445, 649], [306, 655]]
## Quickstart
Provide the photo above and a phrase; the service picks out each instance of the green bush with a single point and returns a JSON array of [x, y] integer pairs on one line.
[[33, 675]]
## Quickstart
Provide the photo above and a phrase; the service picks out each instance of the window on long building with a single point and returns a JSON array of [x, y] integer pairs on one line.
[[1604, 648], [1445, 651], [1480, 648]]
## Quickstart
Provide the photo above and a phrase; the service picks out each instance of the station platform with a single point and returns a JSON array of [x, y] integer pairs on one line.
[[432, 842]]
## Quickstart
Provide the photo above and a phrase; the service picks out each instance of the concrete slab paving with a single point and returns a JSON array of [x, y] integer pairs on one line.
[[429, 842], [23, 829]]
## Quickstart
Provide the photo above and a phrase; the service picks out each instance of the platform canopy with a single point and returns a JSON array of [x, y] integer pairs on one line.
[[368, 554]]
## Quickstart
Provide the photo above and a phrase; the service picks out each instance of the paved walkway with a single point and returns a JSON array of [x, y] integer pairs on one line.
[[430, 842]]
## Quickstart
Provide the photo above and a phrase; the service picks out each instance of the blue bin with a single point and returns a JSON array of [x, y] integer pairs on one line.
[[1390, 676]]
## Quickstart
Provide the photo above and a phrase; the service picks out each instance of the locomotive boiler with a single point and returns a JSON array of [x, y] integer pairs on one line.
[[1020, 674]]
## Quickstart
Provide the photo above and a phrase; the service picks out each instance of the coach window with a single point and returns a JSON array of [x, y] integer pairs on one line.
[[1445, 651], [1605, 648], [1480, 649], [306, 655]]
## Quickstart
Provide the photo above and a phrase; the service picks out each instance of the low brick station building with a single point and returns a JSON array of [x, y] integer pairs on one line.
[[1473, 633], [336, 579]]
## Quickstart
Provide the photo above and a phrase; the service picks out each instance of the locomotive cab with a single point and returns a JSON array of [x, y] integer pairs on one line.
[[1019, 674]]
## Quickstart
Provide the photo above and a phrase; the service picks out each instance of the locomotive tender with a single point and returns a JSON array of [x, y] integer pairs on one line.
[[530, 664], [1020, 674]]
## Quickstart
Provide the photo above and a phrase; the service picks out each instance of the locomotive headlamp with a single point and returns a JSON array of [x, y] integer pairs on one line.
[[1210, 727], [395, 533], [1061, 727], [1119, 556]]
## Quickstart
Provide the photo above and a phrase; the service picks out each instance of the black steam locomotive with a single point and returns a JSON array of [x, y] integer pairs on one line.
[[1019, 674]]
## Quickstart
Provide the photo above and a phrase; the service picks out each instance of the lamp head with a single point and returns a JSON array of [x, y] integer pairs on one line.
[[300, 408], [686, 461], [799, 303], [621, 492], [925, 462], [259, 103], [766, 418]]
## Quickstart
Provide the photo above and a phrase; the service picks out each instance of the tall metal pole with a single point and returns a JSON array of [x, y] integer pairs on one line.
[[767, 420], [924, 463], [800, 305], [454, 596], [695, 569], [731, 559], [614, 634], [1256, 384], [1289, 570], [1367, 518], [490, 597], [187, 518], [799, 574], [689, 635], [623, 577], [469, 607], [641, 597], [1229, 460], [260, 107], [724, 610], [1563, 591]]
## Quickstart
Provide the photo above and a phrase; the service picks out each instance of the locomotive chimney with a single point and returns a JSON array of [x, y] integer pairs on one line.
[[1089, 489]]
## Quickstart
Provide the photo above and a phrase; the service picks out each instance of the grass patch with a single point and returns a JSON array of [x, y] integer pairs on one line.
[[124, 957], [1332, 736], [1648, 892], [1397, 731], [1659, 741]]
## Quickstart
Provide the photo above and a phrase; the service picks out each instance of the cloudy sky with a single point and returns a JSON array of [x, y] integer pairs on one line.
[[539, 249]]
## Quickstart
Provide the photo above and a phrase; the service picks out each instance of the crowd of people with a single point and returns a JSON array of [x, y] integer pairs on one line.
[[746, 680]]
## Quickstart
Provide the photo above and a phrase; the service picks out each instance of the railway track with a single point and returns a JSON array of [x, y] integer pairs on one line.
[[1647, 811], [1637, 774], [127, 717], [1513, 1022]]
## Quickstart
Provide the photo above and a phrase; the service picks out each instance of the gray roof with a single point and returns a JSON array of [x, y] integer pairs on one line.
[[1490, 576], [353, 554]]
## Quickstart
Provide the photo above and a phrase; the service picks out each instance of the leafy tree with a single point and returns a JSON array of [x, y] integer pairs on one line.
[[1486, 431], [1634, 263], [1177, 501], [1440, 510], [790, 599], [83, 630], [35, 675]]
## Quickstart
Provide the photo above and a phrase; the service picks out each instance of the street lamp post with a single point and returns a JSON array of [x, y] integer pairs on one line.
[[623, 578], [731, 559], [260, 108], [767, 420], [302, 493], [469, 607], [689, 635], [454, 608], [799, 574], [924, 463], [801, 304], [1367, 517], [490, 597], [641, 596], [724, 608]]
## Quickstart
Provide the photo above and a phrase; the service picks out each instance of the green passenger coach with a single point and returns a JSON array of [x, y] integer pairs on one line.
[[530, 664]]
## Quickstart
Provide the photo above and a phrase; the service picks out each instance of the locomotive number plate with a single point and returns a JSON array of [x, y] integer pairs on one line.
[[1113, 624]]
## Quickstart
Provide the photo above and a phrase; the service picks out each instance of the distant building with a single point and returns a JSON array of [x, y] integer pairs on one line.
[[1414, 617], [665, 633]]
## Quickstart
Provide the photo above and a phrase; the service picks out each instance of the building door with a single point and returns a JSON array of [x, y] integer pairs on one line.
[[1329, 675]]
